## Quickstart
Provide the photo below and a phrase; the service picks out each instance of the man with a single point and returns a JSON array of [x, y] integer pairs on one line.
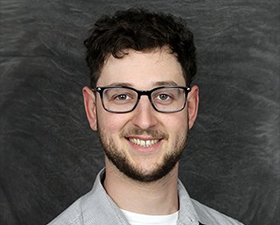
[[142, 106]]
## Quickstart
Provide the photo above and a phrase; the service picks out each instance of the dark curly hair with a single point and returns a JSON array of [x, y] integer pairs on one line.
[[140, 30]]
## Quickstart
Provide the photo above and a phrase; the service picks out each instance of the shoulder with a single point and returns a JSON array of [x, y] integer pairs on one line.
[[71, 216], [93, 208], [209, 216], [88, 209]]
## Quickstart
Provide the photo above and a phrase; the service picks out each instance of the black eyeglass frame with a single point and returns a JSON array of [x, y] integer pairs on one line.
[[100, 90]]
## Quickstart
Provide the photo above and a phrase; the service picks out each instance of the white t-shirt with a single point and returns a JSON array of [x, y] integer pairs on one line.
[[142, 219]]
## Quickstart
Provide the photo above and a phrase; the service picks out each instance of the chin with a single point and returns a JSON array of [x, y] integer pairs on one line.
[[142, 174]]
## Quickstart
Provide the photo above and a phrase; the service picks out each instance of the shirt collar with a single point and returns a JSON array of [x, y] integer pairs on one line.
[[187, 212]]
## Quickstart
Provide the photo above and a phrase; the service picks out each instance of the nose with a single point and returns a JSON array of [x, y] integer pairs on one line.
[[144, 115]]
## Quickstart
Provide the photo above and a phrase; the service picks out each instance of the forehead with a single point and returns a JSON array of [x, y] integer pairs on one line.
[[142, 69]]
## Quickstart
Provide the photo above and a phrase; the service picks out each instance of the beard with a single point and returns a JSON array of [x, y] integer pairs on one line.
[[120, 161]]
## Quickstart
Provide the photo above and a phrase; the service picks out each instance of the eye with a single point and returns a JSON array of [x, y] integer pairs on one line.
[[163, 97], [122, 97]]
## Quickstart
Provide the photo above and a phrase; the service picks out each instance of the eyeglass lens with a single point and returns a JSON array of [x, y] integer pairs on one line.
[[124, 99]]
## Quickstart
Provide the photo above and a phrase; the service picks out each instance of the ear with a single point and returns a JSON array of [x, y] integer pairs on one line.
[[193, 100], [90, 107]]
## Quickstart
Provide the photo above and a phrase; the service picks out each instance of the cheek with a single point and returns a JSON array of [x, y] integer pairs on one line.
[[110, 122], [177, 124]]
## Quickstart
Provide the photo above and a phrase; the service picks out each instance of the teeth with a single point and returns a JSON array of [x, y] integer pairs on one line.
[[143, 143]]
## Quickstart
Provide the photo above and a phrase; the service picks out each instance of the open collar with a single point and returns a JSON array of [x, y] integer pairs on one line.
[[112, 215]]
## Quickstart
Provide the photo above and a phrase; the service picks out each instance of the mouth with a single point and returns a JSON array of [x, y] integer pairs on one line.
[[149, 141], [144, 143]]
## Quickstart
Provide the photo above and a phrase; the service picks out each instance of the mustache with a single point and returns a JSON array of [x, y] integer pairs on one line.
[[150, 132]]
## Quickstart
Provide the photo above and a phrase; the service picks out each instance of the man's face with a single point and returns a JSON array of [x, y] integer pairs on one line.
[[143, 144]]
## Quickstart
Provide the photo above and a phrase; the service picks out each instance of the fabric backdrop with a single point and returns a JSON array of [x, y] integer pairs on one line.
[[48, 154]]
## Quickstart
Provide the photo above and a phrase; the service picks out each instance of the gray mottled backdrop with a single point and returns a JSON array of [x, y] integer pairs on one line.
[[48, 154]]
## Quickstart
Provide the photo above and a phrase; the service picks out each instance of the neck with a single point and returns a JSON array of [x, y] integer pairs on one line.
[[153, 198]]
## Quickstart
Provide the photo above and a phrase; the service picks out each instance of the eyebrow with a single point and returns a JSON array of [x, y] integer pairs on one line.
[[119, 84], [166, 83], [159, 83]]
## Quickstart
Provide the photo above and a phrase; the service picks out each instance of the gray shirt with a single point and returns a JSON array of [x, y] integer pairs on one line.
[[97, 208]]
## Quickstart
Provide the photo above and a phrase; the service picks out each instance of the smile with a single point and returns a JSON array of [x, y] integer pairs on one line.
[[143, 143]]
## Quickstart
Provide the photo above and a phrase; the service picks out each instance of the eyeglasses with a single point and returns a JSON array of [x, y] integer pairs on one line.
[[122, 99]]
